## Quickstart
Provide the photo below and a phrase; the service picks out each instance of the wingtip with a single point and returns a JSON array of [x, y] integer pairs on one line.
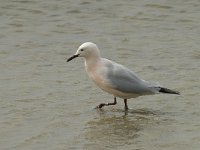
[[168, 91]]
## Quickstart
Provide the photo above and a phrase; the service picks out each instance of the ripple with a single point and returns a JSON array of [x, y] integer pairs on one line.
[[158, 6]]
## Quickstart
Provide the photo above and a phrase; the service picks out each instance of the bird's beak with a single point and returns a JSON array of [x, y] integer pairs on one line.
[[72, 57]]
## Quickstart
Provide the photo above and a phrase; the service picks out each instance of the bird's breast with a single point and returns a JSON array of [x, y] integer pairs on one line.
[[98, 76]]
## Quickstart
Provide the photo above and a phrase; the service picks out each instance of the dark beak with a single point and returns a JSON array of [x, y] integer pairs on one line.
[[72, 57]]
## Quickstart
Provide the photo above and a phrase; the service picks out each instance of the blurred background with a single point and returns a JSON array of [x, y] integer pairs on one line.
[[48, 104]]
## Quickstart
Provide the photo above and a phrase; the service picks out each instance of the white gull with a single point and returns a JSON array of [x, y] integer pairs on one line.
[[115, 78]]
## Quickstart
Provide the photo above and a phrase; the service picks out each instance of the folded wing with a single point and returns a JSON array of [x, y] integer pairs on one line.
[[124, 80]]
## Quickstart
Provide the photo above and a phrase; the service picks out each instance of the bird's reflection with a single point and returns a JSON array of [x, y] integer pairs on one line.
[[113, 129]]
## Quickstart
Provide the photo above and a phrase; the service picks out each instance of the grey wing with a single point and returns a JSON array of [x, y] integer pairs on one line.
[[122, 79]]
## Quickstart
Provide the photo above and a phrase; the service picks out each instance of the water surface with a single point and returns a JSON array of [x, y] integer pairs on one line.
[[47, 104]]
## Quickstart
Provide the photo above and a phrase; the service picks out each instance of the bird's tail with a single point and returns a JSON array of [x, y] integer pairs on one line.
[[168, 91]]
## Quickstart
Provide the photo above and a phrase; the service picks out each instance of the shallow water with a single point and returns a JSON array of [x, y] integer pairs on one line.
[[46, 103]]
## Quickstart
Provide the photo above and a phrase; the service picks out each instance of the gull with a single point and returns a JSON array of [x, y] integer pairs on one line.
[[115, 78]]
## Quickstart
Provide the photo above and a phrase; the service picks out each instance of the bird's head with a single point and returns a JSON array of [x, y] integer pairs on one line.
[[86, 50]]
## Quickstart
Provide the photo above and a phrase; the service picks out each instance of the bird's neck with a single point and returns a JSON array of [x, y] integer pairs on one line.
[[91, 63]]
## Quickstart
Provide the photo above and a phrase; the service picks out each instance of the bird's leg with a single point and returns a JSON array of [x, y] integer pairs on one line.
[[107, 104], [125, 105]]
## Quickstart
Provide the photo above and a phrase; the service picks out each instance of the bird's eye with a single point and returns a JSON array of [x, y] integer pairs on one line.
[[81, 50]]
